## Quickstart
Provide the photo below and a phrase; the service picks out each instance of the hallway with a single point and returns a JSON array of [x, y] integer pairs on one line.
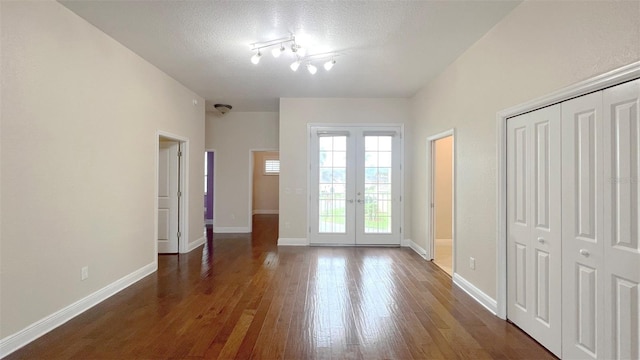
[[240, 296]]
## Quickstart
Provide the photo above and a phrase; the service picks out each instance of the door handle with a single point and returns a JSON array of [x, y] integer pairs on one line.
[[359, 201], [541, 240], [584, 252], [350, 200]]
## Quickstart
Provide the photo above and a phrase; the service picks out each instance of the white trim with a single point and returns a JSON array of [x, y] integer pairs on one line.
[[15, 341], [405, 243], [599, 82], [430, 254], [231, 229], [183, 216], [265, 212], [485, 300], [194, 244], [418, 249], [293, 242]]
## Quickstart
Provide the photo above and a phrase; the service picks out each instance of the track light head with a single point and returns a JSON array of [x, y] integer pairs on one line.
[[329, 64], [312, 69], [255, 59], [277, 51], [295, 65]]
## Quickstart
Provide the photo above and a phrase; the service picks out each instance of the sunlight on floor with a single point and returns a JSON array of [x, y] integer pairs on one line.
[[444, 255]]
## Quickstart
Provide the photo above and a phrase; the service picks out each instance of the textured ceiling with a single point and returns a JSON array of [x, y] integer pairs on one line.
[[391, 48]]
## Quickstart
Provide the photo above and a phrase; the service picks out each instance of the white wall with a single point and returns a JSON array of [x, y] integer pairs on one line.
[[233, 136], [540, 47], [80, 115], [265, 187], [295, 114]]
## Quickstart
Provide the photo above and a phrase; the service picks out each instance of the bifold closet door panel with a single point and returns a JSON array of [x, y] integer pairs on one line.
[[582, 228], [518, 221], [621, 145], [534, 225]]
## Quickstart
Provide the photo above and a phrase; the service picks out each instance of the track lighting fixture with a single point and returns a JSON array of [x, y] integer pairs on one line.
[[278, 48], [312, 69], [329, 64], [255, 59]]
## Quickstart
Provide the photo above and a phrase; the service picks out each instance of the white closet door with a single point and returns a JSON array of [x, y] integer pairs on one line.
[[582, 228], [534, 225], [621, 148]]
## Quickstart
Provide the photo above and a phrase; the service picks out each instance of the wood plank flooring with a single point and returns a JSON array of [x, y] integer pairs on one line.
[[240, 296]]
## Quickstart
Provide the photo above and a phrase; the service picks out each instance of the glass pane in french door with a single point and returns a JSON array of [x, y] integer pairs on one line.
[[332, 184], [377, 184]]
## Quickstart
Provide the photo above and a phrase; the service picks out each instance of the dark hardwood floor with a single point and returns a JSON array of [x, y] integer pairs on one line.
[[243, 297]]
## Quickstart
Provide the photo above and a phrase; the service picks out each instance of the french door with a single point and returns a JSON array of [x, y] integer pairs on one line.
[[355, 185]]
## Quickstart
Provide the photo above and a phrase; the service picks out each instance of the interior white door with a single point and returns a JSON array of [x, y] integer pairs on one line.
[[355, 186], [621, 149], [534, 256], [582, 228], [168, 196]]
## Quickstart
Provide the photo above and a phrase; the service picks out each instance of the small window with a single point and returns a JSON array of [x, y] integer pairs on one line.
[[271, 167]]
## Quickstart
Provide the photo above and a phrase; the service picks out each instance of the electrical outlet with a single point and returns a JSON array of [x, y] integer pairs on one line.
[[472, 263], [85, 272]]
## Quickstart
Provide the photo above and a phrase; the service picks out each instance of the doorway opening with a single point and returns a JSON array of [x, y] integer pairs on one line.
[[209, 196], [442, 200], [171, 186], [265, 183], [209, 178], [264, 186]]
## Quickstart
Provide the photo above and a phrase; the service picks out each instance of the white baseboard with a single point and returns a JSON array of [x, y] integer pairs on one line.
[[265, 212], [231, 230], [194, 244], [484, 299], [293, 242], [418, 249], [405, 243], [15, 341]]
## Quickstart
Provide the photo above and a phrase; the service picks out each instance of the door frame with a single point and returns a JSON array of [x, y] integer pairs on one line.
[[183, 180], [250, 191], [596, 83], [310, 126], [431, 142]]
